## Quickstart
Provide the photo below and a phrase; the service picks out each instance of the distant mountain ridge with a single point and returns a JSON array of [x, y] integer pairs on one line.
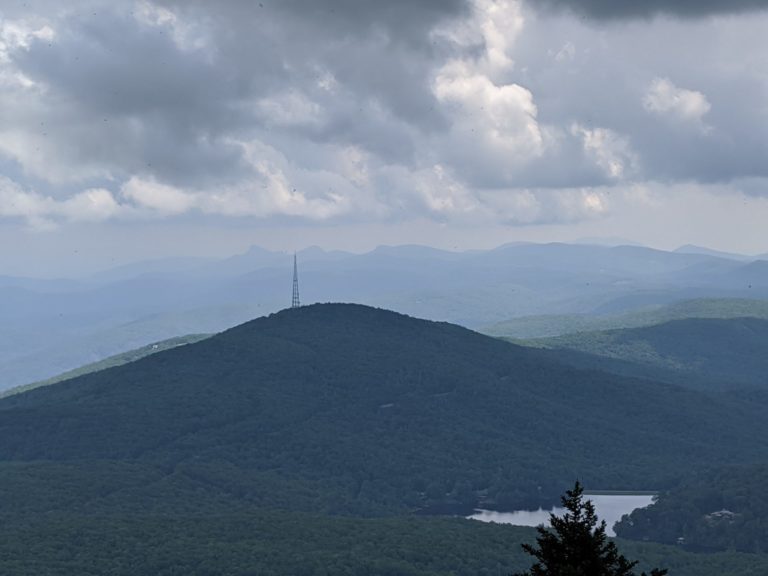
[[544, 326], [725, 353], [54, 325], [693, 249]]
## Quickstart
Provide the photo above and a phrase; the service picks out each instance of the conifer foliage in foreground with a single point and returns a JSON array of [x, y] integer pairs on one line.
[[576, 545]]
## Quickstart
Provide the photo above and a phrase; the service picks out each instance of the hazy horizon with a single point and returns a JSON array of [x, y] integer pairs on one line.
[[148, 129], [77, 269]]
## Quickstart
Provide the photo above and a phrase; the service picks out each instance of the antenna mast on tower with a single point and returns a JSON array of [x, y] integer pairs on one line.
[[295, 303]]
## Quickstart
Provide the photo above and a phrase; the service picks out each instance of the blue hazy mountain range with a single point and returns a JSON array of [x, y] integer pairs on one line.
[[54, 325]]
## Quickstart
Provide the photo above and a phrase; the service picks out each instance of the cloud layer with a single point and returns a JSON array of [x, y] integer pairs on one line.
[[355, 111], [625, 9]]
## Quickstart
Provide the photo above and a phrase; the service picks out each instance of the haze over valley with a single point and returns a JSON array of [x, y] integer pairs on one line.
[[518, 290]]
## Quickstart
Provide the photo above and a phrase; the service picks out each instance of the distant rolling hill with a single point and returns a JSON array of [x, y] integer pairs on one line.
[[50, 326], [693, 249], [243, 450], [698, 352], [544, 326], [360, 410], [725, 509]]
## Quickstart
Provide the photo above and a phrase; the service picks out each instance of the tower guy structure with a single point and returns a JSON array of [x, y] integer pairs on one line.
[[295, 302]]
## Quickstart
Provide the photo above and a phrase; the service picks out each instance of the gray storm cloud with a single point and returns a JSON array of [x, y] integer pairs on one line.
[[621, 9], [356, 110]]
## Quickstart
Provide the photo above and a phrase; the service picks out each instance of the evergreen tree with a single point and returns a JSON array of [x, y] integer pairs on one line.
[[576, 545]]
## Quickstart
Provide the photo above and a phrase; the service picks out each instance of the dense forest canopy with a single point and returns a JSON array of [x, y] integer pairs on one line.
[[328, 412], [364, 411], [714, 353], [726, 509]]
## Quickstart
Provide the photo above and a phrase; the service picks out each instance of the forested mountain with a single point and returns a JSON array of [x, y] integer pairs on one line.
[[696, 352], [51, 326], [353, 409], [726, 509], [270, 429]]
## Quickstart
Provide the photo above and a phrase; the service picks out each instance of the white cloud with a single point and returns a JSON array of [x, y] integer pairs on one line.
[[539, 206], [609, 150], [442, 194], [492, 119], [270, 191], [157, 197], [280, 187], [186, 36], [499, 118], [41, 155], [501, 21], [495, 25], [16, 202], [663, 97], [95, 204], [39, 211], [18, 34]]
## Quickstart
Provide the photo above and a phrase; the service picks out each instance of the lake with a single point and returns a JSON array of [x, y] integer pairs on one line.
[[609, 507]]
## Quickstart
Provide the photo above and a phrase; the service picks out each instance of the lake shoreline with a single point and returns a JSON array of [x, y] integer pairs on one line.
[[610, 507]]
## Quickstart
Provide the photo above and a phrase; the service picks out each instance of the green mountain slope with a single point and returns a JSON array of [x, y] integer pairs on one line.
[[724, 510], [344, 408], [243, 452], [545, 326], [698, 352]]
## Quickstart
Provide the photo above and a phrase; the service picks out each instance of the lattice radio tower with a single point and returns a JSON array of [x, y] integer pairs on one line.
[[295, 302]]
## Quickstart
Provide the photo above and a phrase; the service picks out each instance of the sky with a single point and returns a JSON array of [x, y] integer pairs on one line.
[[133, 130]]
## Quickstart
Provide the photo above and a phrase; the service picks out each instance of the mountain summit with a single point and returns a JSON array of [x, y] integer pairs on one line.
[[351, 409]]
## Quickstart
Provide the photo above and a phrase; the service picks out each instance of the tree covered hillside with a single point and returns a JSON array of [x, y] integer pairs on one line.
[[349, 409], [307, 442], [698, 352], [726, 509], [286, 544]]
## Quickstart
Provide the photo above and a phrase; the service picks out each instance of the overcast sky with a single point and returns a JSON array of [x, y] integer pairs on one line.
[[137, 129]]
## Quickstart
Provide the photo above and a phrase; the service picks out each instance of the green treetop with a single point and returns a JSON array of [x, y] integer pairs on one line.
[[576, 544]]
